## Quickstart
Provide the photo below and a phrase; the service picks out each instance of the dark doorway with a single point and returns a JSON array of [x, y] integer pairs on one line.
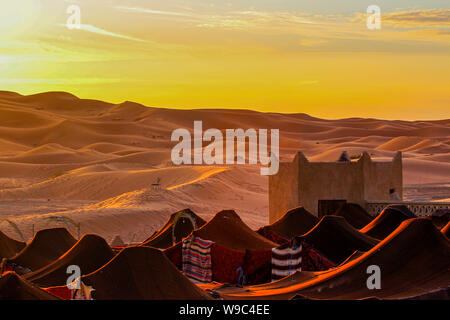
[[182, 228]]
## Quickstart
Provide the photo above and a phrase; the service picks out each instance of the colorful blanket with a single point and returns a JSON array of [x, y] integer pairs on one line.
[[67, 293], [257, 266], [226, 263], [196, 259], [63, 292], [254, 267]]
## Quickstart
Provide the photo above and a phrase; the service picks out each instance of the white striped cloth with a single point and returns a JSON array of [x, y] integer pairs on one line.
[[286, 260]]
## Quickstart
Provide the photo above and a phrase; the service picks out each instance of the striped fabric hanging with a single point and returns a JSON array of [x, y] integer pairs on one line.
[[286, 260], [196, 259]]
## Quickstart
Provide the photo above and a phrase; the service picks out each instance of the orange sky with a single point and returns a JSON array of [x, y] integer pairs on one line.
[[198, 54]]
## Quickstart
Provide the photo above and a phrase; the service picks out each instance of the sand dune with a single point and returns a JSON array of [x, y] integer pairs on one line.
[[417, 171], [102, 158], [102, 185], [409, 144]]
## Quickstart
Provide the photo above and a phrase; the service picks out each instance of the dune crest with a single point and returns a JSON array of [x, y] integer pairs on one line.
[[102, 159]]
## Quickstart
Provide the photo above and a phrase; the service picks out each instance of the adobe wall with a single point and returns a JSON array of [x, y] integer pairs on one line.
[[380, 177], [304, 183], [329, 181], [283, 190]]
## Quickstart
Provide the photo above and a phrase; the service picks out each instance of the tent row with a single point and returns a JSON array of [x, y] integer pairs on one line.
[[189, 258]]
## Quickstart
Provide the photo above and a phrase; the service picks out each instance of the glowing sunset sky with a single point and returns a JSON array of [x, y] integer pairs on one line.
[[289, 56]]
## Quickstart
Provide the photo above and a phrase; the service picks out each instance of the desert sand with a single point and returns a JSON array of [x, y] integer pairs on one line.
[[66, 161]]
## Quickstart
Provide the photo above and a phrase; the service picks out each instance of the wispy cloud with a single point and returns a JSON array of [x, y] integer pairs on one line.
[[255, 20], [91, 28], [150, 11], [426, 18], [94, 29], [420, 17], [237, 20], [280, 16]]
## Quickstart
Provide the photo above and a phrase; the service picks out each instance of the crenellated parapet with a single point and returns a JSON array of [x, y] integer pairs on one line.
[[305, 183]]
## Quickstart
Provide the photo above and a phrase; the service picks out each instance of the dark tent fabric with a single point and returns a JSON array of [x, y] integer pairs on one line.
[[272, 236], [354, 214], [403, 209], [227, 229], [142, 273], [354, 256], [414, 261], [440, 294], [9, 247], [295, 222], [385, 223], [298, 297], [440, 217], [179, 226], [13, 287], [334, 237], [90, 253], [446, 230], [174, 253], [46, 246]]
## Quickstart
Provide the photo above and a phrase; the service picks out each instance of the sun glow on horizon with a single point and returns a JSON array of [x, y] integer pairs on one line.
[[200, 54]]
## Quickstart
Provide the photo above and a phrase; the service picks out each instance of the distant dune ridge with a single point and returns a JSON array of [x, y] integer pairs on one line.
[[95, 162]]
